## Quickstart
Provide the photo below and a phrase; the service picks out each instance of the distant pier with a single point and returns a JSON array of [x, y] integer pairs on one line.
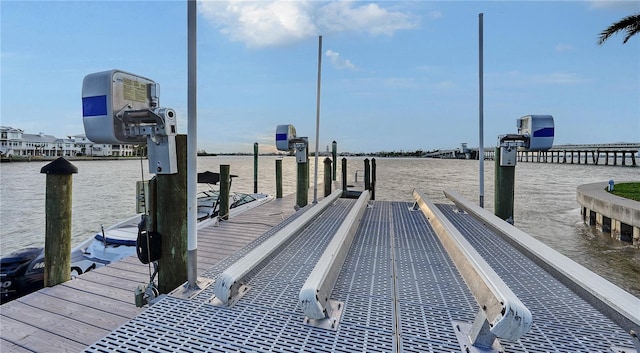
[[613, 154], [595, 154]]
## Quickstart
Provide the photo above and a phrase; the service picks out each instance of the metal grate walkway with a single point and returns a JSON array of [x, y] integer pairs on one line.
[[400, 291]]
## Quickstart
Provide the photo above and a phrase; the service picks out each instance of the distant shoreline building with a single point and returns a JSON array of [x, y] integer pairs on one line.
[[14, 142]]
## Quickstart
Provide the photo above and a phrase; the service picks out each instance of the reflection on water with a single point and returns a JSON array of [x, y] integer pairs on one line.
[[545, 199]]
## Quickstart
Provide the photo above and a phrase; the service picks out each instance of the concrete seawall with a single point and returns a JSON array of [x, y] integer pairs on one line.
[[610, 213]]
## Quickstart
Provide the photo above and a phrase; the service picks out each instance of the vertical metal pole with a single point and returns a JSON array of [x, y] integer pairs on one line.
[[192, 149], [315, 176], [481, 109]]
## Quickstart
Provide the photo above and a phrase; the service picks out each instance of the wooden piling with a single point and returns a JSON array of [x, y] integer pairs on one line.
[[278, 178], [225, 188], [334, 154], [57, 241], [171, 222], [255, 167], [302, 185], [504, 189], [367, 174], [373, 178], [344, 175], [327, 176]]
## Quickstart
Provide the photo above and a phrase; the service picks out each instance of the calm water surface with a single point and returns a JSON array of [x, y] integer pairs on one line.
[[545, 199]]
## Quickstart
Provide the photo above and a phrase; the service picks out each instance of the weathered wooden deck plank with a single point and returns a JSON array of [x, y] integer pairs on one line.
[[114, 279], [35, 339], [89, 315], [8, 347], [53, 323], [96, 300], [100, 288]]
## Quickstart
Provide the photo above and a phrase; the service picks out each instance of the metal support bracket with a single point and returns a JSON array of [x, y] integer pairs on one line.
[[463, 332], [186, 292], [332, 318], [236, 296]]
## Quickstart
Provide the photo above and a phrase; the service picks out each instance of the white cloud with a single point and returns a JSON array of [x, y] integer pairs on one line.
[[338, 62], [564, 47], [261, 23], [276, 23], [343, 16]]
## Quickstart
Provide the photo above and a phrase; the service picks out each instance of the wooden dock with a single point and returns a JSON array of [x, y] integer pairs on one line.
[[75, 314], [397, 290]]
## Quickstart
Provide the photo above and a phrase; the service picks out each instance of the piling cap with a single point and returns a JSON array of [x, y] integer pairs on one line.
[[59, 166]]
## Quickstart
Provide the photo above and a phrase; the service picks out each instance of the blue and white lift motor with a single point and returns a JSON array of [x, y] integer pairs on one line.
[[286, 140], [122, 108], [535, 133]]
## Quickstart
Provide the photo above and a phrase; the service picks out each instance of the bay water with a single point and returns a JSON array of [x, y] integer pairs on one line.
[[545, 199]]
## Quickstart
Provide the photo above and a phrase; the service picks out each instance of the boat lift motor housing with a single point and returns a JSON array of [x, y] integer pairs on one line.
[[538, 130], [120, 107], [535, 133], [286, 140]]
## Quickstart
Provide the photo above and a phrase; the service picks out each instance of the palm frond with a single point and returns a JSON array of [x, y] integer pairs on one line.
[[629, 24]]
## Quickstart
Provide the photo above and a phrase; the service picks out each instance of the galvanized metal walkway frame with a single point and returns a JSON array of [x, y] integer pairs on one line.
[[401, 293]]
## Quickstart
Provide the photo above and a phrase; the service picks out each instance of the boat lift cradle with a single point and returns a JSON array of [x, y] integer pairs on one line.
[[501, 314], [618, 305]]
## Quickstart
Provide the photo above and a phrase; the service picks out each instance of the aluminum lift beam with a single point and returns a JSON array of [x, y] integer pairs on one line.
[[227, 285], [507, 316], [615, 303], [316, 291]]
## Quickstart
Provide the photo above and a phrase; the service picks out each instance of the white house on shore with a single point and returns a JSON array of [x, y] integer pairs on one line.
[[14, 142]]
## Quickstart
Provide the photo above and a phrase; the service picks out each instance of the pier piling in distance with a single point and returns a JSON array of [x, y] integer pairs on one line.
[[302, 186], [255, 167], [367, 174], [504, 189], [373, 178], [344, 175], [57, 243], [334, 154], [225, 179], [171, 221], [278, 178], [327, 176]]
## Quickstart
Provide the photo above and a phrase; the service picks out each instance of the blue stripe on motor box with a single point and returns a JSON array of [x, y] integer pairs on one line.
[[545, 132], [94, 106], [281, 137]]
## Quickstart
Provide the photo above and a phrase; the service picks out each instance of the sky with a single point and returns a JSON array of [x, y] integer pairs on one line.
[[396, 75]]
